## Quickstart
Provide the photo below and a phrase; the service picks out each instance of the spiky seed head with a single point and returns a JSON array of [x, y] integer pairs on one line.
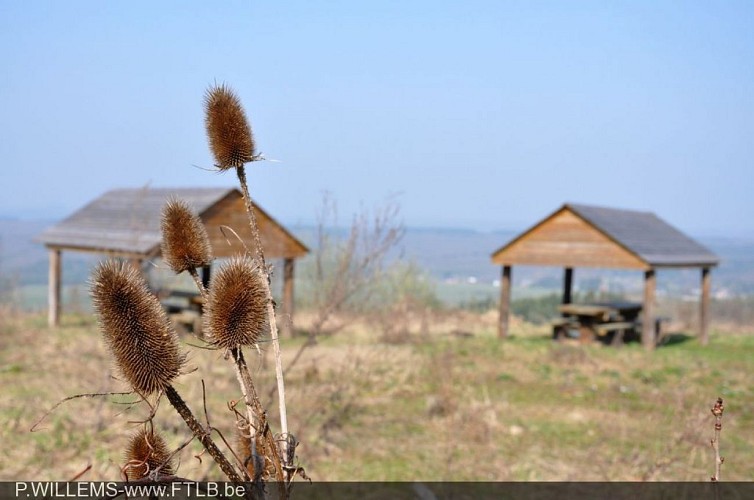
[[135, 327], [146, 452], [185, 244], [236, 310], [228, 130]]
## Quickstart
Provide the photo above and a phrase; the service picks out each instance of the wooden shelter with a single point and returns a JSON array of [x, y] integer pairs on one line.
[[587, 236], [125, 223]]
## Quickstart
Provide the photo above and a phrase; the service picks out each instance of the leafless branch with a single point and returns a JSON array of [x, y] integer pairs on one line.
[[351, 269], [34, 428]]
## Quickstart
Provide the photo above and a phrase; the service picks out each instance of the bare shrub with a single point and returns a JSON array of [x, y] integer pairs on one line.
[[404, 303], [346, 273]]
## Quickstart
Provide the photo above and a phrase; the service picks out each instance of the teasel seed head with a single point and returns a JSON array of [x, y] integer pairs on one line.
[[135, 327], [146, 451], [236, 310], [228, 130], [185, 244]]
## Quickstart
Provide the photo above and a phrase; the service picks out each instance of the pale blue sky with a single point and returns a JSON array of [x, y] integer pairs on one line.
[[482, 114]]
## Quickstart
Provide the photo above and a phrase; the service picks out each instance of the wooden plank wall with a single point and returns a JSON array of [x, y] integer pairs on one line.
[[567, 240], [231, 212]]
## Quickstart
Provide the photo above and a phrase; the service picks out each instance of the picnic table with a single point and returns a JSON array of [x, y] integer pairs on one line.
[[612, 320], [184, 308]]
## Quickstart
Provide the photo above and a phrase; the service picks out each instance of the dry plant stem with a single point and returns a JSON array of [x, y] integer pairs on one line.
[[244, 388], [198, 281], [717, 411], [247, 388], [254, 411], [270, 310], [201, 434], [254, 406]]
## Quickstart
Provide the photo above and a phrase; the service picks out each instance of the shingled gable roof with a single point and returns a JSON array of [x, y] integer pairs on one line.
[[127, 221], [650, 239]]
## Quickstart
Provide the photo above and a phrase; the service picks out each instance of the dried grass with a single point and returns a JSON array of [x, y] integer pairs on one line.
[[521, 410]]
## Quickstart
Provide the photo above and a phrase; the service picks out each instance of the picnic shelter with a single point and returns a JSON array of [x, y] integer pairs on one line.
[[578, 235], [125, 223]]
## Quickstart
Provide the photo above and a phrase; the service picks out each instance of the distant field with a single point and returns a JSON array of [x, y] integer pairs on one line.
[[426, 406], [534, 304], [34, 298], [482, 295]]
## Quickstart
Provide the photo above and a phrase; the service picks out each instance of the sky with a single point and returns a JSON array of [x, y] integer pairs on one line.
[[486, 115]]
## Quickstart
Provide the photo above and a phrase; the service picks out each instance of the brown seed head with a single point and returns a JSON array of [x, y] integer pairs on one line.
[[146, 451], [236, 311], [185, 244], [135, 327], [228, 129]]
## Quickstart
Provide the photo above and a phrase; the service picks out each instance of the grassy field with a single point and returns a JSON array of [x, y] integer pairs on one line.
[[451, 403]]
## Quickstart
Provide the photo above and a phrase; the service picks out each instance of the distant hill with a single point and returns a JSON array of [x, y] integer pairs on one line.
[[446, 254], [463, 256]]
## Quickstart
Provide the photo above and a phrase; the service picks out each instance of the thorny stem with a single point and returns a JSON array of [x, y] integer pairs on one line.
[[198, 281], [247, 388], [717, 411], [254, 409], [270, 311], [201, 434], [244, 387]]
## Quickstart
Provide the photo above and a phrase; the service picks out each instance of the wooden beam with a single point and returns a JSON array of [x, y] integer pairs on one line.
[[704, 306], [567, 286], [53, 293], [108, 252], [288, 273], [505, 302], [648, 314]]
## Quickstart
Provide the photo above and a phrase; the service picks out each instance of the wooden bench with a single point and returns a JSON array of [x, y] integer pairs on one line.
[[618, 328], [605, 328], [561, 325]]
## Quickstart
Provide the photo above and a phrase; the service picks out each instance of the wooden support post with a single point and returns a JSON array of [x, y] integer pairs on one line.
[[704, 307], [567, 286], [505, 302], [53, 293], [648, 313], [288, 271], [206, 271]]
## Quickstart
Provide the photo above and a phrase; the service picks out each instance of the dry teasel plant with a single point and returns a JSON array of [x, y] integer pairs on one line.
[[185, 245], [144, 344], [238, 305], [239, 310], [147, 453], [232, 145], [235, 316]]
